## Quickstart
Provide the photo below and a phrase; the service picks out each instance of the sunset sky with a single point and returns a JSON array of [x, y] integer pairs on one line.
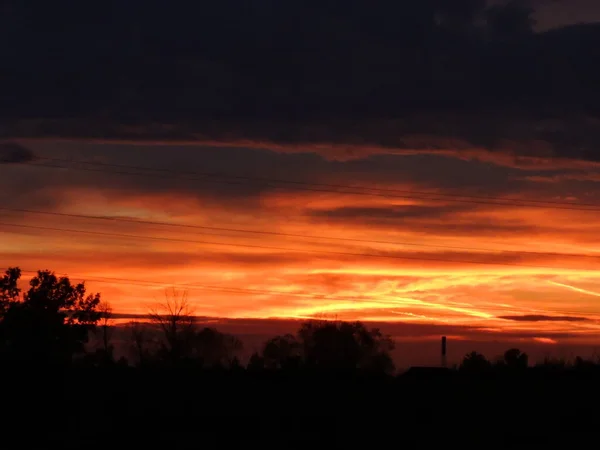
[[468, 253], [409, 164]]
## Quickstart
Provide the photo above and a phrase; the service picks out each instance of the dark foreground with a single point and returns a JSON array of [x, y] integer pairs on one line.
[[114, 408]]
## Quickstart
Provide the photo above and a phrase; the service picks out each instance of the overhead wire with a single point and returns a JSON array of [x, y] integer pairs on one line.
[[282, 234], [286, 249], [380, 192], [329, 185], [306, 186], [247, 291]]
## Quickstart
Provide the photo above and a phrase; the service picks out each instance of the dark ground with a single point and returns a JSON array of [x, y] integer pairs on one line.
[[96, 408]]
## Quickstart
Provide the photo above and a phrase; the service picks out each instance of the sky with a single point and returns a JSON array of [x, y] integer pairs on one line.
[[470, 257], [437, 180]]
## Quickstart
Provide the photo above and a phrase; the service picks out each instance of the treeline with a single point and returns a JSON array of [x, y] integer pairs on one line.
[[52, 322], [332, 383]]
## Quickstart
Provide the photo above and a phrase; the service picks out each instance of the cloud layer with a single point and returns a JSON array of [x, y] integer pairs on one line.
[[297, 245], [408, 164], [401, 76]]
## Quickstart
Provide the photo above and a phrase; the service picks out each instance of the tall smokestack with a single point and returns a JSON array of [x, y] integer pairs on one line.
[[443, 351]]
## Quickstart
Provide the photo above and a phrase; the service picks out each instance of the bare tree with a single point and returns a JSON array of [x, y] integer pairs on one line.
[[140, 341], [175, 321], [106, 315]]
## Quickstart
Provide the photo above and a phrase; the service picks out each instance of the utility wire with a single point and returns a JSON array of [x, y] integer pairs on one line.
[[294, 235], [128, 281], [287, 249], [328, 185], [203, 287], [265, 182]]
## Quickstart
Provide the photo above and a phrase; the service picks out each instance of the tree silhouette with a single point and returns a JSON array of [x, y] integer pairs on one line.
[[345, 346], [106, 312], [552, 364], [282, 352], [175, 321], [50, 323], [212, 348], [256, 362], [514, 359], [183, 343], [9, 291], [582, 364], [141, 343], [474, 363]]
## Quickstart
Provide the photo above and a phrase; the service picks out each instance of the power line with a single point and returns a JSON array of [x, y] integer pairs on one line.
[[128, 281], [304, 186], [203, 287], [328, 185], [265, 247], [134, 282], [294, 235]]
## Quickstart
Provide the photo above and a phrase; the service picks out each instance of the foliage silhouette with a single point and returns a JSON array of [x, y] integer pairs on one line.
[[515, 360], [553, 365], [475, 363], [282, 352], [343, 346], [256, 363], [9, 291], [582, 365], [214, 349], [181, 374], [141, 344], [106, 313], [50, 323]]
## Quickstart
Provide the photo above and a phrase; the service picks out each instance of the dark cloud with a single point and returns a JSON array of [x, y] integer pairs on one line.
[[542, 318], [442, 219], [182, 170], [301, 73], [170, 171], [12, 153], [244, 182]]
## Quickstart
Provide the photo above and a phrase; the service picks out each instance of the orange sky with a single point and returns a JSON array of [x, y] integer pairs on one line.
[[385, 257]]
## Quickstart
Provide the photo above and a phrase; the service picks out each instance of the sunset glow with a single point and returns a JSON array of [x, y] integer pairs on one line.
[[273, 250]]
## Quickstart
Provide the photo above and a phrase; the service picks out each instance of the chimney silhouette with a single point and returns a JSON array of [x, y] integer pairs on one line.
[[443, 351]]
